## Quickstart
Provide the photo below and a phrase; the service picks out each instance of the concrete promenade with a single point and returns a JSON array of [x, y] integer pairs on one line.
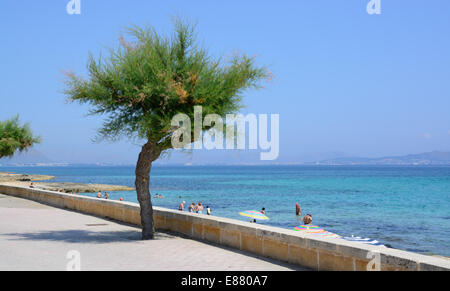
[[34, 236]]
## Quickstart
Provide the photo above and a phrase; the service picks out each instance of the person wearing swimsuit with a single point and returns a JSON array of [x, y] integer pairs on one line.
[[307, 219]]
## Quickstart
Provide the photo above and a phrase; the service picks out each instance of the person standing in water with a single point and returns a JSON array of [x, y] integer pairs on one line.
[[181, 207], [298, 210], [263, 210], [106, 195], [99, 194]]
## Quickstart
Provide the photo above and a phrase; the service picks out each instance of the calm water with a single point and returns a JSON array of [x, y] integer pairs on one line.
[[403, 207]]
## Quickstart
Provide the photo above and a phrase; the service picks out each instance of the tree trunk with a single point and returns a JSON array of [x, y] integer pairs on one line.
[[149, 153]]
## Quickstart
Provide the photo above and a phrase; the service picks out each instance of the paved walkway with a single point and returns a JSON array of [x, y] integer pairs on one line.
[[34, 236]]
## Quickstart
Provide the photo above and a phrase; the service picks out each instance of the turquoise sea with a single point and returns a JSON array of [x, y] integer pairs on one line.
[[405, 207]]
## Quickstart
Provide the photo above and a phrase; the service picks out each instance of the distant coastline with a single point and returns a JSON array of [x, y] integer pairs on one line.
[[315, 164], [435, 158], [431, 158]]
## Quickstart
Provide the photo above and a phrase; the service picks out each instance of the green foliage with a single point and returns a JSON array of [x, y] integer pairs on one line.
[[15, 137], [151, 78]]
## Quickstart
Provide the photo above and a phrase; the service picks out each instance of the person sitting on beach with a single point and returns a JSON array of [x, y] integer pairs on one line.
[[199, 208], [208, 210], [31, 185], [263, 210], [181, 207], [106, 195], [298, 210], [99, 194], [191, 207], [307, 219]]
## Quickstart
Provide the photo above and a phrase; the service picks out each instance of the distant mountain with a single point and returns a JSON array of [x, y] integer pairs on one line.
[[31, 156], [430, 158]]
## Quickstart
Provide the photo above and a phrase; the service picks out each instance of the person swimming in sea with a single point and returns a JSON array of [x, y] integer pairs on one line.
[[263, 210]]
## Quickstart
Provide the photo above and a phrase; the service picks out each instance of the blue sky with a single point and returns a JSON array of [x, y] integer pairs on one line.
[[345, 81]]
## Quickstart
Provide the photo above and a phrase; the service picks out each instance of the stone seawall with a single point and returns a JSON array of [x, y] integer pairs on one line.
[[308, 250]]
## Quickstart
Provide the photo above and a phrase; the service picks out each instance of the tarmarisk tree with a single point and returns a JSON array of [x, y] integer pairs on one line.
[[148, 80], [15, 137]]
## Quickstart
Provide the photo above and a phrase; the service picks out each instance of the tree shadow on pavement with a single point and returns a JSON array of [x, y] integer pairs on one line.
[[85, 236]]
